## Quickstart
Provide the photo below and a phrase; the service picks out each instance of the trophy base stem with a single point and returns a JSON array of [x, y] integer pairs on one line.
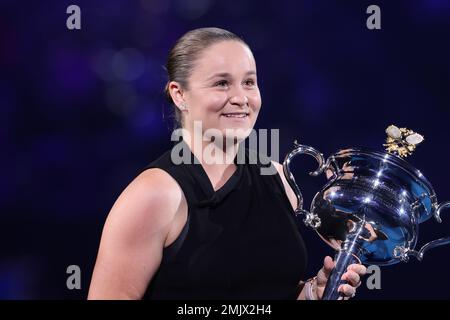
[[349, 254]]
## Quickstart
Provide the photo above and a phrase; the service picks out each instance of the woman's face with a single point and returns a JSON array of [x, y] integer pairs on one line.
[[222, 90]]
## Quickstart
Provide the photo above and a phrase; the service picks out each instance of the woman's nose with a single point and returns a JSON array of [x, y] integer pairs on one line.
[[240, 100]]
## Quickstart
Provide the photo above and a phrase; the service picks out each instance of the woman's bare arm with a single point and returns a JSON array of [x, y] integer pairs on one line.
[[134, 235], [287, 188]]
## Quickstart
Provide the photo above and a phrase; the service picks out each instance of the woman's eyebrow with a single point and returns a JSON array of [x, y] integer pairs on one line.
[[227, 75]]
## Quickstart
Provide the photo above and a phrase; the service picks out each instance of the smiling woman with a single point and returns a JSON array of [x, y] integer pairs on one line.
[[198, 230], [219, 89]]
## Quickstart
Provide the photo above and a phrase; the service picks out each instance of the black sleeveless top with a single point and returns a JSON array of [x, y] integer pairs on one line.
[[239, 242]]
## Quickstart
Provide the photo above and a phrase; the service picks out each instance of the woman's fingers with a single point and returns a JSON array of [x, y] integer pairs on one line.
[[347, 290], [324, 273], [358, 268], [352, 278], [328, 265]]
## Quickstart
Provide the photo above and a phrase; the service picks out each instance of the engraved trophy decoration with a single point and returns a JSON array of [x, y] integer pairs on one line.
[[371, 207]]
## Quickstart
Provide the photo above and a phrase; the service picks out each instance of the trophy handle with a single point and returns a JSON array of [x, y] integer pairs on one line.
[[404, 253], [310, 220], [350, 250]]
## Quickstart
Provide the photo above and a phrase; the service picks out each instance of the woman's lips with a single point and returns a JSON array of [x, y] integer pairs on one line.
[[236, 115]]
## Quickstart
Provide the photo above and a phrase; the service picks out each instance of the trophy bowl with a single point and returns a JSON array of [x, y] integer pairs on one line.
[[370, 209]]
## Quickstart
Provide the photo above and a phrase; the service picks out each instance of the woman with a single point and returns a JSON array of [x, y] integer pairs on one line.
[[208, 230]]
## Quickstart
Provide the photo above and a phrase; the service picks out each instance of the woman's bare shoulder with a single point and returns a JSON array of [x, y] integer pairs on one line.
[[150, 202], [157, 181], [153, 191]]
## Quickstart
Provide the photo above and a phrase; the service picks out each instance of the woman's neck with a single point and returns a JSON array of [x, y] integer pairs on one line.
[[216, 158]]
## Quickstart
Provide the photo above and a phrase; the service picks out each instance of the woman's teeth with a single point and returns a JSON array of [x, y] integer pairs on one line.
[[235, 115]]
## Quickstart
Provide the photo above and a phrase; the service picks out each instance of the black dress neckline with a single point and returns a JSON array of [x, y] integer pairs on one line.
[[214, 196]]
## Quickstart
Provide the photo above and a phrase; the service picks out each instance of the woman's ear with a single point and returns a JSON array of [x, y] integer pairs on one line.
[[177, 94]]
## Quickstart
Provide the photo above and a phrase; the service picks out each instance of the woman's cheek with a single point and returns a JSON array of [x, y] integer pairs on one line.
[[256, 100]]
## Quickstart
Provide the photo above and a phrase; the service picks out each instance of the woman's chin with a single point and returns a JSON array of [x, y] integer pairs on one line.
[[236, 135]]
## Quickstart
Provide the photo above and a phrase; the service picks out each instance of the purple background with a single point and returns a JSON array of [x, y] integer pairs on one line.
[[81, 112]]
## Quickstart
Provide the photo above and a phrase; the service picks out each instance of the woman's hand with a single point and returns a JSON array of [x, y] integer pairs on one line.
[[352, 276]]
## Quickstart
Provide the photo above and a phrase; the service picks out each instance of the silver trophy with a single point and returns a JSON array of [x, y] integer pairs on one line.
[[370, 209]]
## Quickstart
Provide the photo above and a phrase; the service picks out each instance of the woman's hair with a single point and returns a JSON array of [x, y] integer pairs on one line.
[[182, 57]]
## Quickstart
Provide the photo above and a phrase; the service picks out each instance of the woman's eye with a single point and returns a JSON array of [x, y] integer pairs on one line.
[[221, 83], [249, 82]]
